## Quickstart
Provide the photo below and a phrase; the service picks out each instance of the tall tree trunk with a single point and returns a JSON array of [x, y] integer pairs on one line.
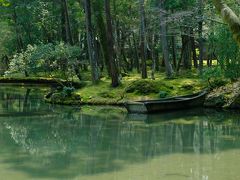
[[18, 35], [187, 48], [200, 34], [143, 46], [91, 42], [154, 57], [113, 66], [137, 64], [132, 56], [194, 54], [66, 23], [101, 28], [174, 53], [163, 32]]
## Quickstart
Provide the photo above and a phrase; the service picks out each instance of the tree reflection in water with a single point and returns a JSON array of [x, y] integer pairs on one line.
[[65, 142]]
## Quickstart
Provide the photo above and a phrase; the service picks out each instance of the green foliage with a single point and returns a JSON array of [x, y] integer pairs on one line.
[[163, 94], [4, 3], [227, 52], [68, 91], [46, 58], [178, 4], [21, 63], [212, 72]]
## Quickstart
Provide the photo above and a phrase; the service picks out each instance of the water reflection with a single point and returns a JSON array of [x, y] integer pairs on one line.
[[68, 143]]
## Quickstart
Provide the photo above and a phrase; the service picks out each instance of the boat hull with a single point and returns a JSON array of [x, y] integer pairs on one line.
[[175, 103]]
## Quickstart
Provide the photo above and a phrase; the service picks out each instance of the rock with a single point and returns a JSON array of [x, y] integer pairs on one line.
[[227, 96], [236, 103], [215, 100], [56, 97]]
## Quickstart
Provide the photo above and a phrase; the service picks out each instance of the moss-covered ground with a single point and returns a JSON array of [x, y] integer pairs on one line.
[[134, 88]]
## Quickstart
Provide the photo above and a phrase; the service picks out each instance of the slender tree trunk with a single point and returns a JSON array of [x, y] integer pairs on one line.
[[18, 35], [154, 57], [174, 53], [132, 56], [200, 33], [187, 48], [97, 7], [137, 64], [91, 43], [143, 46], [195, 61], [163, 32], [113, 66], [67, 26]]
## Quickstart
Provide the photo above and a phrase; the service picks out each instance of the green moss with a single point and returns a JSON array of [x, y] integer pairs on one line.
[[144, 87], [134, 88]]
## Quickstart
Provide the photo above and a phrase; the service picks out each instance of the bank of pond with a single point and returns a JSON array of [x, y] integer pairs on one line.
[[143, 93], [104, 142]]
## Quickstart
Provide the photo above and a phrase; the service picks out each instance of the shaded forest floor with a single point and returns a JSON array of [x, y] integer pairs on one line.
[[134, 88]]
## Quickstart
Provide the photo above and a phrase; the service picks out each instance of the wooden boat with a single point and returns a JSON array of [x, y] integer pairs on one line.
[[167, 104]]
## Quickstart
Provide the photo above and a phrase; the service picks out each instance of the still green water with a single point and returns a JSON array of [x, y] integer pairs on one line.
[[42, 141]]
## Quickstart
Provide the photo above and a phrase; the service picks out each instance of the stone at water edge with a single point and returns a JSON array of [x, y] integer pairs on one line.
[[224, 97]]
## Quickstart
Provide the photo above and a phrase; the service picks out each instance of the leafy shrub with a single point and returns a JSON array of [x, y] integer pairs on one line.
[[163, 94], [228, 58], [47, 58], [67, 91], [215, 77], [212, 72]]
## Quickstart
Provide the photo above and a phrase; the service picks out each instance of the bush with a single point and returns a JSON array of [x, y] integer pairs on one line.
[[48, 58], [228, 58], [215, 77], [212, 72], [67, 91], [163, 94]]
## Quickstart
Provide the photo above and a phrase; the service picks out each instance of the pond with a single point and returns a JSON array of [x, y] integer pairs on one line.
[[43, 141]]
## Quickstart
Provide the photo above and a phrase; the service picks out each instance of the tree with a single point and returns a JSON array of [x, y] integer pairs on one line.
[[91, 42], [163, 32], [109, 31], [229, 17], [200, 33], [143, 44], [66, 28]]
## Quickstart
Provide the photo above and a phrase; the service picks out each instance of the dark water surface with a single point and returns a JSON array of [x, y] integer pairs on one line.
[[42, 141]]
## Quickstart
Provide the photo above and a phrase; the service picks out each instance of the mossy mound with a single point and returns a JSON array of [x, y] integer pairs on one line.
[[61, 98], [143, 87], [106, 94]]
